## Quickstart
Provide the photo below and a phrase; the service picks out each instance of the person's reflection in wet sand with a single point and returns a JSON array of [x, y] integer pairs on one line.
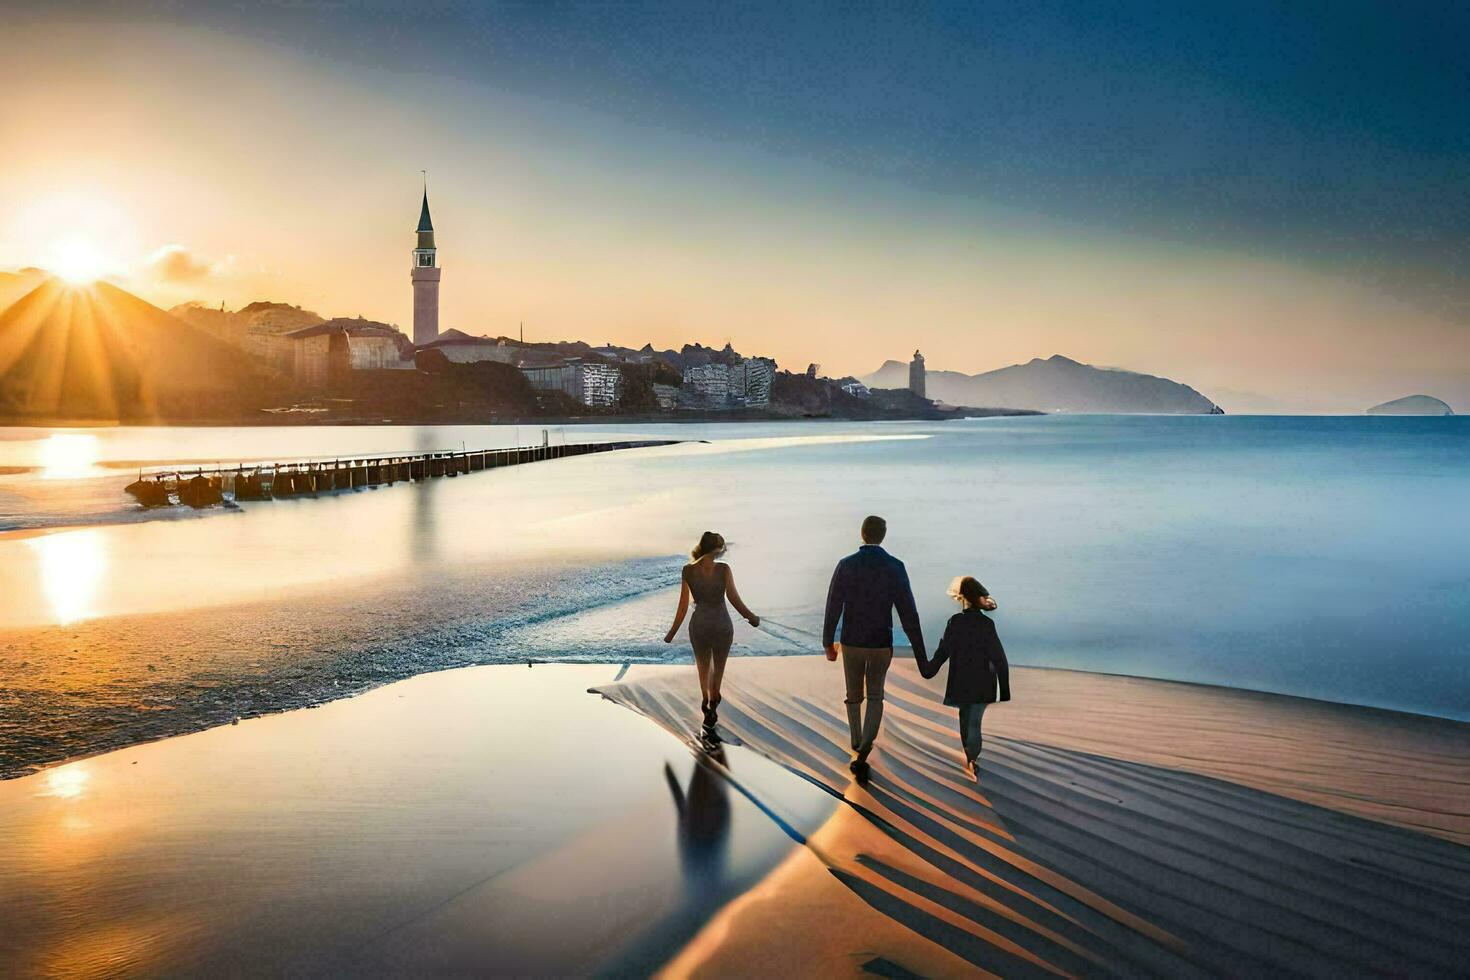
[[704, 821]]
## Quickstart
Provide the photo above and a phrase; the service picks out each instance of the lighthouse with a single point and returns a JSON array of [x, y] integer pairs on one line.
[[916, 374], [425, 276]]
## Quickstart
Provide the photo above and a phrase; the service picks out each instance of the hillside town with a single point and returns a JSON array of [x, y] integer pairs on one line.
[[273, 362], [327, 356]]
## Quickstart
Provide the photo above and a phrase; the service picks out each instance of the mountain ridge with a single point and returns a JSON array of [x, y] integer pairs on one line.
[[101, 354], [1054, 384]]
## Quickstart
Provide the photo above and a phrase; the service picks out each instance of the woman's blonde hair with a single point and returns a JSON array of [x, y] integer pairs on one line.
[[967, 589], [710, 543]]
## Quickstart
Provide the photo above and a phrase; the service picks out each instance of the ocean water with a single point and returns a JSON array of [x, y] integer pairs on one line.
[[1320, 557]]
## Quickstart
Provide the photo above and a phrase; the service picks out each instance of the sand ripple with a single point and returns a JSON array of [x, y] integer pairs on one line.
[[1119, 827]]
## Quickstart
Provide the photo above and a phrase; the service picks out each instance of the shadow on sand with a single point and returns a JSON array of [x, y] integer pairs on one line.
[[1064, 861]]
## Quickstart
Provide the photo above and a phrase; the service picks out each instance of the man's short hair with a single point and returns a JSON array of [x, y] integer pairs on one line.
[[874, 530]]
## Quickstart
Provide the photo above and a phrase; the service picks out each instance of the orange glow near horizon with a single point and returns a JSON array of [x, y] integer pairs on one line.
[[77, 231]]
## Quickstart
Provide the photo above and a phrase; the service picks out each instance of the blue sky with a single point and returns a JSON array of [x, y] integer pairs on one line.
[[1338, 130], [1324, 144]]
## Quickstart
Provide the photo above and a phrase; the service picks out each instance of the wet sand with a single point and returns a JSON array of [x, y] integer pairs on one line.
[[73, 690], [496, 820], [490, 819], [1120, 826]]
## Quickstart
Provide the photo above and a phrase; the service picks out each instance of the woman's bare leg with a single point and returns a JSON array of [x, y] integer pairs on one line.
[[702, 665], [716, 674]]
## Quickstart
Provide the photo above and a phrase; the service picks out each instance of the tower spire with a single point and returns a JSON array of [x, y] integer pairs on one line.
[[425, 223], [425, 276]]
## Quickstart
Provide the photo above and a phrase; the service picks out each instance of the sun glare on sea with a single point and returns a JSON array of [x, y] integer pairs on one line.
[[68, 456], [72, 565]]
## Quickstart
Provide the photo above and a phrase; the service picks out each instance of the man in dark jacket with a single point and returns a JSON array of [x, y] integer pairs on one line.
[[867, 587]]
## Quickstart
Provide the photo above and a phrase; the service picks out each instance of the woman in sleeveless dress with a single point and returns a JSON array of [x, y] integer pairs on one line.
[[710, 630]]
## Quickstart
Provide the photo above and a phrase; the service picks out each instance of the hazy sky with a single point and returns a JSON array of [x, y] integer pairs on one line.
[[1267, 201]]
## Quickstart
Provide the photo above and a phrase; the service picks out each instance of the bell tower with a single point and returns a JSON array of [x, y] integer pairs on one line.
[[425, 276]]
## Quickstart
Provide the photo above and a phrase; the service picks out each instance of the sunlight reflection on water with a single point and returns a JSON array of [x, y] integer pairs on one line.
[[72, 566], [66, 782], [70, 456]]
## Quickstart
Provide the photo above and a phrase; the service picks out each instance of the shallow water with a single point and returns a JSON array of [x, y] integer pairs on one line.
[[1323, 557], [428, 828]]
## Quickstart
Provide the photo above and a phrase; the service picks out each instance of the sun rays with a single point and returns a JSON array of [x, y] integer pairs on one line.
[[66, 353]]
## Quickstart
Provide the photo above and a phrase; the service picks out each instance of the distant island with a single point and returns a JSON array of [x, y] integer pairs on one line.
[[1412, 405], [1056, 384]]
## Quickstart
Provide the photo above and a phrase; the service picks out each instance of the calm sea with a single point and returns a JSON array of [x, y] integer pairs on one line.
[[1321, 557]]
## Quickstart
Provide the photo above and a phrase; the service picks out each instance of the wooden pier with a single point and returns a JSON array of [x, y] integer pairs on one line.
[[207, 486]]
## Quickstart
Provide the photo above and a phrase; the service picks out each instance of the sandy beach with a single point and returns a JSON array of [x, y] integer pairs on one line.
[[505, 820], [1120, 826]]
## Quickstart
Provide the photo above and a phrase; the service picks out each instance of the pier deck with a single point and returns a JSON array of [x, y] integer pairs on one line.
[[206, 486]]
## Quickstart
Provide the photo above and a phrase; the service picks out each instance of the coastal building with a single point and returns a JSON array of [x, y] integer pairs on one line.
[[856, 389], [274, 347], [325, 353], [706, 386], [750, 382], [268, 335], [622, 355], [260, 329], [462, 348], [916, 374], [717, 386], [556, 376], [425, 277], [600, 384], [591, 383], [667, 396]]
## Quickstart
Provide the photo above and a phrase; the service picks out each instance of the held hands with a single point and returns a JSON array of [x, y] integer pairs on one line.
[[669, 637], [987, 603], [753, 619], [832, 651]]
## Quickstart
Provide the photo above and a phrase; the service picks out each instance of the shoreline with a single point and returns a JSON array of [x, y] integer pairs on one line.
[[457, 823], [179, 671], [23, 769], [315, 421]]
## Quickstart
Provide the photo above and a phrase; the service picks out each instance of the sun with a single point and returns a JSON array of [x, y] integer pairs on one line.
[[78, 260]]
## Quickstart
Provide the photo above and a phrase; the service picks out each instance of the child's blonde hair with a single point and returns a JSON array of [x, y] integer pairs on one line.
[[967, 589]]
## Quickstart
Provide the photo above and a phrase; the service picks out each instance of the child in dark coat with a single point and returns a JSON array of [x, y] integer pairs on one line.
[[978, 671]]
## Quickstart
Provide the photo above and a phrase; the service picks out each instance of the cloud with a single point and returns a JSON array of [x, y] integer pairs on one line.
[[179, 264]]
